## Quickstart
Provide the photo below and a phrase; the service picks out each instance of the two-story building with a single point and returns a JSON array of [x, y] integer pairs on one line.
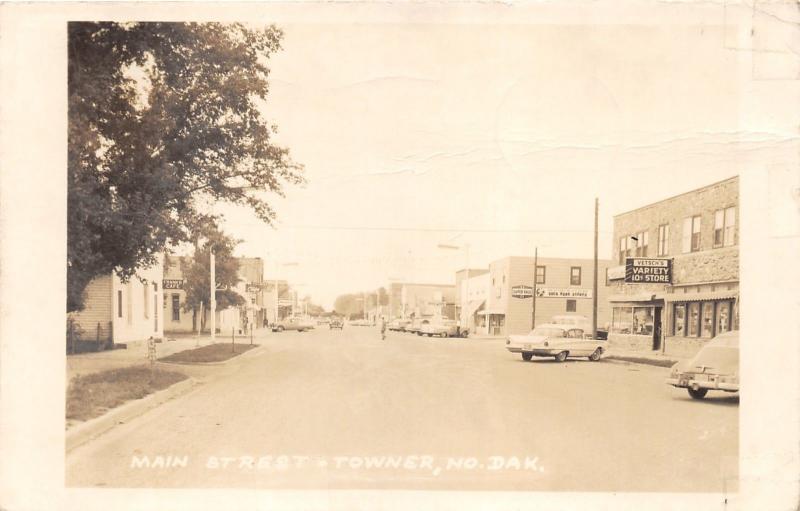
[[563, 286], [697, 234]]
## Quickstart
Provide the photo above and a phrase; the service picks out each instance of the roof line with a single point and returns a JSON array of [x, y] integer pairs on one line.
[[732, 178]]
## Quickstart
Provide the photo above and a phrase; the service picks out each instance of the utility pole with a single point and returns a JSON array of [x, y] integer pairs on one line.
[[213, 294], [535, 280], [594, 289]]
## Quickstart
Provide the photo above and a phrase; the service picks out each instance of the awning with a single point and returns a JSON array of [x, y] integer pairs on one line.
[[646, 297], [698, 297], [492, 312], [474, 305]]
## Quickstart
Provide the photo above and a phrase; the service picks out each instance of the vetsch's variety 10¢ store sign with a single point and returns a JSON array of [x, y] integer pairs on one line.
[[639, 269]]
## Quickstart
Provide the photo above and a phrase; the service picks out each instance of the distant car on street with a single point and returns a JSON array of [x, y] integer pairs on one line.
[[416, 326], [715, 367], [445, 328], [290, 324], [398, 325], [336, 323], [558, 341]]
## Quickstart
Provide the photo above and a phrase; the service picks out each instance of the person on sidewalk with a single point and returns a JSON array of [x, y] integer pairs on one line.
[[383, 329]]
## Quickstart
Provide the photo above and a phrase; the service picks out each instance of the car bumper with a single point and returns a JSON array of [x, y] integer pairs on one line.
[[536, 352], [703, 384]]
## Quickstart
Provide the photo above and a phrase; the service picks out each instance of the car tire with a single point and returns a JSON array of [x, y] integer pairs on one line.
[[280, 329], [443, 335], [594, 357], [697, 394], [527, 357], [561, 356]]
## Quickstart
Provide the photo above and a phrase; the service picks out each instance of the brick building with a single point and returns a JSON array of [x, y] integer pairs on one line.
[[698, 232], [563, 286]]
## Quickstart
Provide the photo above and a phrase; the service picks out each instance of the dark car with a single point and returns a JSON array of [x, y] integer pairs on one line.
[[715, 367], [336, 323]]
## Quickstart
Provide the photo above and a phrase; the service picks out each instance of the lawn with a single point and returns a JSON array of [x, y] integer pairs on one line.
[[211, 353], [92, 395]]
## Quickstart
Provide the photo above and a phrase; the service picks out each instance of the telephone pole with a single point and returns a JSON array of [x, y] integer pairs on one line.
[[594, 289], [535, 280], [213, 294]]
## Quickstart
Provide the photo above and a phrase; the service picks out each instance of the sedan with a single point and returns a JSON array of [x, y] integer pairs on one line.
[[557, 341], [289, 324], [447, 328], [715, 367]]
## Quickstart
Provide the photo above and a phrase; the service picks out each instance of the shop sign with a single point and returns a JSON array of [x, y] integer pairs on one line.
[[565, 292], [645, 270], [253, 288], [172, 284], [521, 291], [285, 303]]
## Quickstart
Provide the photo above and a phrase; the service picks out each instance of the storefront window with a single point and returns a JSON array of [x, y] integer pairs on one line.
[[680, 320], [708, 319], [643, 320], [694, 319], [621, 320], [723, 317]]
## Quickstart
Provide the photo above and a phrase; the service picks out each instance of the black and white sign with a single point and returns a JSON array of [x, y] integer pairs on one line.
[[172, 284], [522, 291], [645, 270]]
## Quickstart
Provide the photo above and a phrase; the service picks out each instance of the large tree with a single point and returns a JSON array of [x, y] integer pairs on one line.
[[164, 118]]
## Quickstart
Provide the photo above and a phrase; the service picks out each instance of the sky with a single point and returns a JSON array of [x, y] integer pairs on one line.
[[496, 136]]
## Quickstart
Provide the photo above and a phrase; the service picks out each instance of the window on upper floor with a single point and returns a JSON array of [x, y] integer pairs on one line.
[[663, 239], [540, 274], [575, 276], [724, 227], [691, 234], [641, 243]]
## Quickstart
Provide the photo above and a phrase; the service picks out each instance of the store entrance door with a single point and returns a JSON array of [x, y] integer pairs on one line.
[[656, 328]]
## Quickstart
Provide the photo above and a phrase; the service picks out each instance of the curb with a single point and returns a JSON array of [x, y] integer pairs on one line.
[[632, 359], [93, 428], [238, 356]]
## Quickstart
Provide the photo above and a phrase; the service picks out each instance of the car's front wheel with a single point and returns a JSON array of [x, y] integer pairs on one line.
[[443, 334], [697, 393], [561, 356], [527, 357], [280, 329], [594, 357]]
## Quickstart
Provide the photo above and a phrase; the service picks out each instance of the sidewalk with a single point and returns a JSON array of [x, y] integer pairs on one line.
[[655, 358], [136, 354]]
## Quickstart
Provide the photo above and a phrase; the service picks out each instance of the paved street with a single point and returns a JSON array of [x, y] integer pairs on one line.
[[352, 411]]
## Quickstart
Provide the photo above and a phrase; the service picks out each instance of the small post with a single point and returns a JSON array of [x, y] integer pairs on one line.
[[233, 338], [251, 335]]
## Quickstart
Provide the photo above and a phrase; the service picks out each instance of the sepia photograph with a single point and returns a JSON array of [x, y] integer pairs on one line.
[[424, 250]]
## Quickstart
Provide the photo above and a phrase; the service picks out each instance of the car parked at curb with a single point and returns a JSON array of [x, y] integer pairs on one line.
[[558, 341], [445, 328], [582, 322], [715, 367], [416, 326], [290, 324], [336, 323], [398, 325]]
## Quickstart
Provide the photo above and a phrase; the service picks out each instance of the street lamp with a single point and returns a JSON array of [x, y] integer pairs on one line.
[[461, 315]]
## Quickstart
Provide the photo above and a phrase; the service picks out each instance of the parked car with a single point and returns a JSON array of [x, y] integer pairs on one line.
[[398, 325], [290, 324], [582, 322], [416, 325], [715, 367], [446, 328], [558, 341], [308, 323], [336, 323]]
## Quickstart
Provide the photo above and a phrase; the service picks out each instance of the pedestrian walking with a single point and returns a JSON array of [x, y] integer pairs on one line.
[[383, 329]]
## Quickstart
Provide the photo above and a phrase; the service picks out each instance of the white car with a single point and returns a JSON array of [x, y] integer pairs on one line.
[[557, 341]]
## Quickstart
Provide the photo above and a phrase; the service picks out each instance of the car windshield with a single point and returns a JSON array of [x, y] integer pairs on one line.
[[548, 332]]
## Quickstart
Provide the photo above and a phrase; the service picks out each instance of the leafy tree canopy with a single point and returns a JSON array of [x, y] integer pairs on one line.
[[164, 118]]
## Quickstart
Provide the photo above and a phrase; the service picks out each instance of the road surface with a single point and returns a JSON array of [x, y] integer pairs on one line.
[[345, 410]]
